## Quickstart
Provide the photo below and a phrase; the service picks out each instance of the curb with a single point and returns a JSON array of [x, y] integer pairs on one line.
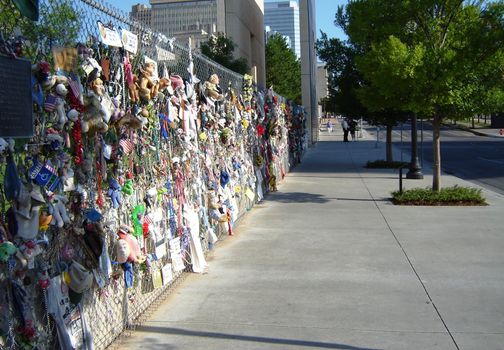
[[475, 132]]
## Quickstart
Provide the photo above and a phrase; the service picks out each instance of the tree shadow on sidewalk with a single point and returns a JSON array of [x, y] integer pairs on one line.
[[149, 342], [296, 197]]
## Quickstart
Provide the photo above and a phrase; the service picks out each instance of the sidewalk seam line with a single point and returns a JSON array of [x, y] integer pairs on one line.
[[405, 254]]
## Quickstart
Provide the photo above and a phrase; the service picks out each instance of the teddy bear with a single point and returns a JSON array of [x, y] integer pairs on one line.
[[114, 192], [148, 87], [212, 88], [96, 116]]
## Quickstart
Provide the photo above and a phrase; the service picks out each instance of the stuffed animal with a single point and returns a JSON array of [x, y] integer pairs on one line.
[[96, 115], [128, 187], [212, 88], [114, 192], [132, 121], [59, 212], [135, 254], [148, 87], [7, 249]]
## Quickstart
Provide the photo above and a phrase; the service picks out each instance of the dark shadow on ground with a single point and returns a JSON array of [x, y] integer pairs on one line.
[[296, 197], [294, 175], [363, 199], [256, 339]]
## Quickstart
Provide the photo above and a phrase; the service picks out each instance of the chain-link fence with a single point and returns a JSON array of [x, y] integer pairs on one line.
[[244, 146]]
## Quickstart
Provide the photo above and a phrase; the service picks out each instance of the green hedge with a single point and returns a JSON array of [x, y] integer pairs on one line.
[[455, 195]]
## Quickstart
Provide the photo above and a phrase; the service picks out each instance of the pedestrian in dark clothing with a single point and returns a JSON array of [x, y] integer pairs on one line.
[[353, 128], [346, 129]]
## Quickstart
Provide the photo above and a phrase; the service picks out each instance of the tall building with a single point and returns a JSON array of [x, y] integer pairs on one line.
[[242, 21], [178, 16], [309, 67], [142, 14], [283, 17], [322, 87]]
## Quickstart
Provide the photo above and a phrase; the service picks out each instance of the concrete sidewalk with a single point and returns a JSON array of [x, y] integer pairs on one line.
[[327, 262]]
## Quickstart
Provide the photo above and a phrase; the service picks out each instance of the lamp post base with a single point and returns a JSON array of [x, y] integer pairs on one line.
[[415, 171]]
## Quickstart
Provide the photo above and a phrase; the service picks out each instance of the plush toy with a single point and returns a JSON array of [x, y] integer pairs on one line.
[[114, 192], [118, 113], [44, 221], [135, 254], [136, 216], [132, 121], [212, 88], [148, 87], [59, 212], [96, 115], [127, 188], [61, 92], [73, 115], [7, 249], [131, 81]]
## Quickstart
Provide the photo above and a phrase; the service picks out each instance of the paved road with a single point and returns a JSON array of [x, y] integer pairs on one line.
[[474, 158]]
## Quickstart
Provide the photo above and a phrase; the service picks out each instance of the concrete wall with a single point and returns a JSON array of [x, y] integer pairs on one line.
[[309, 67], [244, 22]]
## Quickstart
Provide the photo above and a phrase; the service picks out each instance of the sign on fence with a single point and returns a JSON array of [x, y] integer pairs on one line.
[[16, 108]]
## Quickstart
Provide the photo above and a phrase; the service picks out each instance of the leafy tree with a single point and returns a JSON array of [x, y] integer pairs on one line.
[[220, 49], [439, 59], [283, 70], [58, 25], [345, 88]]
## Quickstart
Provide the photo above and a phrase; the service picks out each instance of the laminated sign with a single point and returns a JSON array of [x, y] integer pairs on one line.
[[129, 41], [109, 36]]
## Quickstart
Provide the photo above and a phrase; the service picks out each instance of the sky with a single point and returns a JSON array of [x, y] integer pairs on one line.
[[325, 11]]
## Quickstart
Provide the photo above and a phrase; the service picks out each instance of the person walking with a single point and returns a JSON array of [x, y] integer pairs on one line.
[[329, 127], [346, 129], [353, 127]]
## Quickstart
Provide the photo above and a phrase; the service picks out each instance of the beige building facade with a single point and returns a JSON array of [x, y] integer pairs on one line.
[[309, 67], [322, 86], [240, 20], [244, 23]]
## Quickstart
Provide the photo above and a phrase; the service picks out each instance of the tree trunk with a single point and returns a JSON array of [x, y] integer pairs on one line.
[[390, 157], [436, 147]]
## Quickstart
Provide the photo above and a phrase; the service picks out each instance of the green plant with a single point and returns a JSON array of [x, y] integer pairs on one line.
[[456, 195], [383, 164]]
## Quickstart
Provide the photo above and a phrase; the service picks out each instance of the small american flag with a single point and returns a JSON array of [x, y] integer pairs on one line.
[[74, 87], [148, 219], [50, 102], [126, 145]]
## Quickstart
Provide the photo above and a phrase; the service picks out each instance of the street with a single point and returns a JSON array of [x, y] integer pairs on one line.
[[478, 159]]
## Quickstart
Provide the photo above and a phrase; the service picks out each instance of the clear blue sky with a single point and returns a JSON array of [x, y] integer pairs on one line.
[[326, 9]]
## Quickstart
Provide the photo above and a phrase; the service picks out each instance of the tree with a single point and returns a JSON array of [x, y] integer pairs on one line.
[[283, 70], [346, 92], [58, 25], [437, 59], [220, 49]]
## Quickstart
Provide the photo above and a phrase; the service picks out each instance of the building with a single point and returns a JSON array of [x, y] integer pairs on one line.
[[177, 16], [309, 67], [322, 87], [242, 21], [283, 17], [142, 14]]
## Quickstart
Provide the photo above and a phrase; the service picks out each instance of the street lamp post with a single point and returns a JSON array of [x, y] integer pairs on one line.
[[415, 170]]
